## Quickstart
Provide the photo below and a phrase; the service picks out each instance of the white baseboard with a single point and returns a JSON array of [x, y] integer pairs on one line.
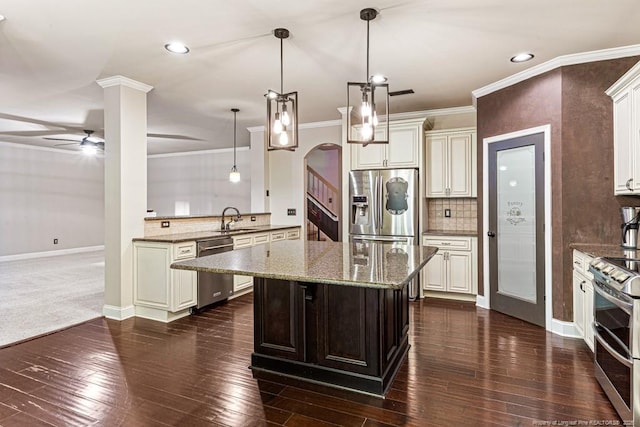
[[482, 301], [31, 255], [118, 313], [565, 329]]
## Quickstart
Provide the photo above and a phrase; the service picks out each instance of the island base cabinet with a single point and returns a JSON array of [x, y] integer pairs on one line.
[[345, 336]]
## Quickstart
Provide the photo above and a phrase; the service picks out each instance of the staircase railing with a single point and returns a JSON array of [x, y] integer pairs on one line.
[[323, 191], [323, 203]]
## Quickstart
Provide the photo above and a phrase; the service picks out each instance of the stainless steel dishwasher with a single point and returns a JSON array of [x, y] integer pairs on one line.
[[213, 287]]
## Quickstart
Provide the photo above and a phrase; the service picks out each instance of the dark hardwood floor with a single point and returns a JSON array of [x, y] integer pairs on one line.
[[466, 367]]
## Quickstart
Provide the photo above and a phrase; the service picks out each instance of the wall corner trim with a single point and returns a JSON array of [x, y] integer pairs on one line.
[[118, 313], [565, 329]]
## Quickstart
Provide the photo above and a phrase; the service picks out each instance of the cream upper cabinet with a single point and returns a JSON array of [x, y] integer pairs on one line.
[[402, 151], [625, 94], [451, 163]]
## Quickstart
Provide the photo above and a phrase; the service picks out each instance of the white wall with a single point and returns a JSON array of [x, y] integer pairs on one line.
[[326, 163], [48, 194], [199, 180], [287, 173]]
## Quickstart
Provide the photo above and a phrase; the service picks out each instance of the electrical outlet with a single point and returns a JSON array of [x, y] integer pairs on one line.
[[164, 224], [447, 213], [291, 212], [253, 218], [55, 241]]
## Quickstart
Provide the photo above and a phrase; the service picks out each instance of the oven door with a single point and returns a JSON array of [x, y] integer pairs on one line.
[[613, 314]]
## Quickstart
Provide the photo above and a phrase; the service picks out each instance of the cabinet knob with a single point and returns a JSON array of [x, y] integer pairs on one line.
[[491, 234]]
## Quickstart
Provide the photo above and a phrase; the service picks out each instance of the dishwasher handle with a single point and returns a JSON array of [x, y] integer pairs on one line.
[[210, 248]]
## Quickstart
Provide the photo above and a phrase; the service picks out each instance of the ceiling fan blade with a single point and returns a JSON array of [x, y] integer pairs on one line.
[[62, 139], [27, 133], [69, 143]]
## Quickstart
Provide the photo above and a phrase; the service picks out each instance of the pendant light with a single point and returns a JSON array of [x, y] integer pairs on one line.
[[282, 110], [368, 102], [234, 175]]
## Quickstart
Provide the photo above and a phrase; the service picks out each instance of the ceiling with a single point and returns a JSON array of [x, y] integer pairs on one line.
[[52, 52]]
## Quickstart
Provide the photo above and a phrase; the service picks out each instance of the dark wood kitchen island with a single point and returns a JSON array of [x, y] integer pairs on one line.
[[327, 312]]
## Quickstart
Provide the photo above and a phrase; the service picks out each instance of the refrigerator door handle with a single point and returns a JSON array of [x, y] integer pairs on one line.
[[380, 204]]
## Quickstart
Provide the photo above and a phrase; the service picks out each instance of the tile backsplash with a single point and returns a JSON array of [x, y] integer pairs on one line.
[[464, 214]]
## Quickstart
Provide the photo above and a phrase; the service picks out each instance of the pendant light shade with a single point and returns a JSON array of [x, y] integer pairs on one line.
[[234, 175], [282, 110], [368, 102]]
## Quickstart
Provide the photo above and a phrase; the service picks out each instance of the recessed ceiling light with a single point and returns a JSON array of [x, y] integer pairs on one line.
[[522, 57], [177, 47]]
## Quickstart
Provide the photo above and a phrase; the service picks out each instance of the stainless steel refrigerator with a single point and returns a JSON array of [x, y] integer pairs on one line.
[[384, 205]]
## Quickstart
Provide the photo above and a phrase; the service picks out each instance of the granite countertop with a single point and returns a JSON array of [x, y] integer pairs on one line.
[[468, 233], [367, 264], [605, 250], [155, 218], [200, 235]]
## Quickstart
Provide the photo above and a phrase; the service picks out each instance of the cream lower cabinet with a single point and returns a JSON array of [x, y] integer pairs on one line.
[[160, 293], [453, 271], [583, 297], [242, 284]]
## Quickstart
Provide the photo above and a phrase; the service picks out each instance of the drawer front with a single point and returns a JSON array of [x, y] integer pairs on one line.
[[242, 242], [443, 242], [277, 235], [293, 234], [581, 263], [184, 250], [259, 239]]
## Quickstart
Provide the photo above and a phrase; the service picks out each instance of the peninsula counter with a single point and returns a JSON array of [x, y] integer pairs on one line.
[[327, 312]]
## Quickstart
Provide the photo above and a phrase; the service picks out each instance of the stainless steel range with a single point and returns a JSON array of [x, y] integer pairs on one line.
[[616, 327]]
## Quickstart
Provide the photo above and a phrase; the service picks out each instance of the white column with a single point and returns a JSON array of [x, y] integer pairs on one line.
[[259, 170], [125, 124], [346, 167]]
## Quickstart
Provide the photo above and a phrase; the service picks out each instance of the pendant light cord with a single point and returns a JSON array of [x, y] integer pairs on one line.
[[281, 68], [367, 78], [234, 138]]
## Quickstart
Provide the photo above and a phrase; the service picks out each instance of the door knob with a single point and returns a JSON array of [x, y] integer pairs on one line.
[[491, 234]]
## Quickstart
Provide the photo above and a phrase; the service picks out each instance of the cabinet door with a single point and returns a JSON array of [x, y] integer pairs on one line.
[[184, 289], [436, 166], [279, 318], [371, 156], [241, 283], [367, 157], [459, 272], [402, 151], [622, 145], [434, 274], [460, 165], [578, 302], [635, 138], [152, 276]]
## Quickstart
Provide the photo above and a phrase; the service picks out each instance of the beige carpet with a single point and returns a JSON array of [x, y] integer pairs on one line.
[[41, 295]]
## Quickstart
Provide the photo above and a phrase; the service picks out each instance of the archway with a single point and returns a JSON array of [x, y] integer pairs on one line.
[[323, 193]]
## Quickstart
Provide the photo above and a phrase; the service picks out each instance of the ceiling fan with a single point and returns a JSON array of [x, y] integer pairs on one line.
[[89, 144]]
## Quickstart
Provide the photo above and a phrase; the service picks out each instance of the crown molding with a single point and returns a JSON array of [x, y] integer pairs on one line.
[[123, 81], [560, 61], [197, 153], [624, 81]]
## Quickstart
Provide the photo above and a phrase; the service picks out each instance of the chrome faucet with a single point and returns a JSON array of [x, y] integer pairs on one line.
[[225, 227]]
